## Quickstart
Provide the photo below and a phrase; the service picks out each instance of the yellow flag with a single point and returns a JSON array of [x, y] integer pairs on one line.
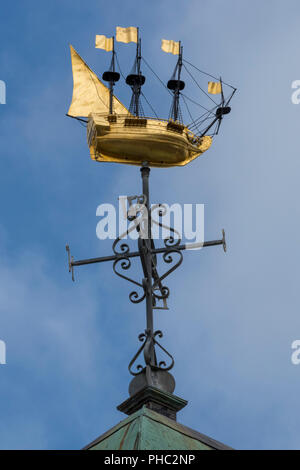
[[127, 34], [102, 42], [170, 46], [214, 88]]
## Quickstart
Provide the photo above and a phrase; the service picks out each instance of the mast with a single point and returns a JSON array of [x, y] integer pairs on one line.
[[176, 85], [111, 84], [112, 77], [136, 80], [138, 69]]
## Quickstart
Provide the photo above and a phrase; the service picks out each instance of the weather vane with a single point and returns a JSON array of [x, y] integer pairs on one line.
[[118, 134]]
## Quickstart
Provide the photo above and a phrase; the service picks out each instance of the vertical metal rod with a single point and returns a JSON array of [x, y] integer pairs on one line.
[[111, 84], [176, 111], [177, 90], [111, 93], [145, 170], [138, 67]]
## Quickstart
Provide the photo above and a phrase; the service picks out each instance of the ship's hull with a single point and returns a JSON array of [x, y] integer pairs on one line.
[[124, 139]]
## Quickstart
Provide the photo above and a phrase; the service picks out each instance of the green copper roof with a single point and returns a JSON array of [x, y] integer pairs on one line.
[[148, 430]]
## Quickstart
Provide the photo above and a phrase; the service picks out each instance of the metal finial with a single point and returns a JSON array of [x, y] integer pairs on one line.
[[70, 262]]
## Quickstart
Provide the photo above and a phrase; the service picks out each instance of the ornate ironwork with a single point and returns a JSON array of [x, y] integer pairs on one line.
[[148, 338], [142, 218], [125, 264]]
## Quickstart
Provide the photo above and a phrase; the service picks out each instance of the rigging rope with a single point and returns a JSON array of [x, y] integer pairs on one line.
[[198, 84], [193, 121], [123, 76], [150, 106], [195, 102], [144, 60], [208, 74]]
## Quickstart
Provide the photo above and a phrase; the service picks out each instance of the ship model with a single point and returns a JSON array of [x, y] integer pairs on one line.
[[125, 135]]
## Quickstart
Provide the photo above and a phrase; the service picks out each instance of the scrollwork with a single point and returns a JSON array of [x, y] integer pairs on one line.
[[169, 242], [148, 347], [168, 259], [125, 264]]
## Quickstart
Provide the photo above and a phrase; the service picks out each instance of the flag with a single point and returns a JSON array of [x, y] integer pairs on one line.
[[214, 88], [170, 46], [102, 42], [127, 34]]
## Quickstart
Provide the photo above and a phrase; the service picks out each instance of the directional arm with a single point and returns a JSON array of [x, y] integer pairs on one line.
[[135, 254]]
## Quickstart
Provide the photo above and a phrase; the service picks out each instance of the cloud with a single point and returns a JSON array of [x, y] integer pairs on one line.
[[57, 354]]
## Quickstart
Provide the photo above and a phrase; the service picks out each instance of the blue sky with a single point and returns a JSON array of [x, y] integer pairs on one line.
[[232, 317]]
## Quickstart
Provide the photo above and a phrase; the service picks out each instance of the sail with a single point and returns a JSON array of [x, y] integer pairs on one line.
[[90, 95]]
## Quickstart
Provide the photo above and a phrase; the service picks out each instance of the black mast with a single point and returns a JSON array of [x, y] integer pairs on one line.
[[176, 85], [136, 80], [112, 77]]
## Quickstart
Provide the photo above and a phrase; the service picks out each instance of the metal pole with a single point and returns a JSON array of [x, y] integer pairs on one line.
[[138, 89], [111, 91], [177, 90], [111, 84], [149, 352], [145, 171]]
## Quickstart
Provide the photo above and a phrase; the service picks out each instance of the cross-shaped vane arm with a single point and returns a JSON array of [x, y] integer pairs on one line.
[[151, 286], [134, 254]]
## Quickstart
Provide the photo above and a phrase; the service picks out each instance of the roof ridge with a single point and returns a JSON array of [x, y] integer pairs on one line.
[[138, 418], [185, 429]]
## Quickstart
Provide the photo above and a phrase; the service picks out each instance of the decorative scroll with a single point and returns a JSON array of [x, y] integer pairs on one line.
[[169, 242], [122, 249], [159, 291], [126, 264], [149, 341]]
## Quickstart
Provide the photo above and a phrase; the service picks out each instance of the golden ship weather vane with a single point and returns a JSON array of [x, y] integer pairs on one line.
[[121, 135]]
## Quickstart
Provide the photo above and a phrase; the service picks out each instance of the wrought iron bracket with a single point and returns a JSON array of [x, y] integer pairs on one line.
[[148, 338]]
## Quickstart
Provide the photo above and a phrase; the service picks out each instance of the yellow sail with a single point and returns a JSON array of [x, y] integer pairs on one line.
[[90, 95]]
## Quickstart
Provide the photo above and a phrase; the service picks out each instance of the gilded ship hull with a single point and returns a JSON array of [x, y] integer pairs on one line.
[[132, 140]]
